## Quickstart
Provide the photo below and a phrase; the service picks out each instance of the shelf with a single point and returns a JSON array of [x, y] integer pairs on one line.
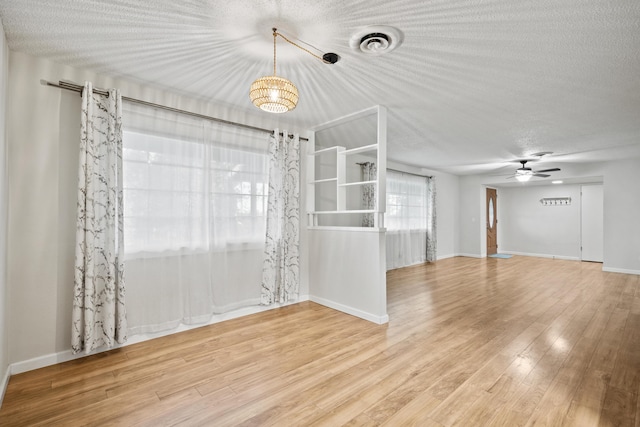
[[319, 181], [349, 184], [324, 150], [354, 229], [362, 149], [342, 212]]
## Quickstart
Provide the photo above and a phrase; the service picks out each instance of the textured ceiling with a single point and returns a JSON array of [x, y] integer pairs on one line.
[[474, 83]]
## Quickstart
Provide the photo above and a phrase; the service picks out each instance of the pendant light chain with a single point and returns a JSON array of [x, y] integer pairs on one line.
[[274, 50], [275, 33]]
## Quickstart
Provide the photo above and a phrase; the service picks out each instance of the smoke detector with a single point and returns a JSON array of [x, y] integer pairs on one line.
[[376, 40]]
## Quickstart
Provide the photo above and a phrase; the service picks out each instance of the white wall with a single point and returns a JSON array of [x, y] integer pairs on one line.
[[4, 353], [43, 133], [622, 216], [472, 234], [527, 227], [348, 271], [448, 213]]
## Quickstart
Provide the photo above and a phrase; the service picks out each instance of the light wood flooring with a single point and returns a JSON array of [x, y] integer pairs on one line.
[[471, 342]]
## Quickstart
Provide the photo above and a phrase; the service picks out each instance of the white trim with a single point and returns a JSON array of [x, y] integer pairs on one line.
[[324, 150], [439, 257], [351, 184], [562, 257], [349, 117], [408, 265], [364, 148], [471, 255], [338, 228], [320, 181], [343, 211], [4, 384], [350, 310], [65, 356], [48, 360], [620, 270]]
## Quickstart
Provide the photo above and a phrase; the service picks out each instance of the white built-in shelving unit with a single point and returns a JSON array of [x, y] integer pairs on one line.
[[348, 272], [339, 155]]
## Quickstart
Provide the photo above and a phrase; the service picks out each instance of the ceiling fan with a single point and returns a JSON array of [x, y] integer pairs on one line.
[[524, 173]]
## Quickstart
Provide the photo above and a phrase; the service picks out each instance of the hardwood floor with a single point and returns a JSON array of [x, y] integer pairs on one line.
[[471, 342]]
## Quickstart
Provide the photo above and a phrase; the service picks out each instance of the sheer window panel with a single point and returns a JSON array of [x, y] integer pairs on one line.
[[406, 202], [406, 219], [193, 195], [195, 203]]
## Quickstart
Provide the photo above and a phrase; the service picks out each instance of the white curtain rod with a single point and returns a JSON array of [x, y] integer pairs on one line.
[[408, 173], [77, 88]]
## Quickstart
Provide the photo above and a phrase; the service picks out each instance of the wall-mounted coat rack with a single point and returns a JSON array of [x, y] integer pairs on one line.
[[555, 201]]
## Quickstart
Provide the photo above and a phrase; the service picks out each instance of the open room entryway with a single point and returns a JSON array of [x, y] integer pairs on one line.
[[492, 222]]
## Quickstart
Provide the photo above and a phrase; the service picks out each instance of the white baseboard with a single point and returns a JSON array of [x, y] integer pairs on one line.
[[49, 359], [620, 270], [351, 310], [4, 384], [65, 356], [441, 257], [471, 255], [566, 258]]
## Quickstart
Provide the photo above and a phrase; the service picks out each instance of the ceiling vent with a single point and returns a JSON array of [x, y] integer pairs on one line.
[[376, 40]]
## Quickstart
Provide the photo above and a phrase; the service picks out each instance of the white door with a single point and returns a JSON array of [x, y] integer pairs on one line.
[[592, 223]]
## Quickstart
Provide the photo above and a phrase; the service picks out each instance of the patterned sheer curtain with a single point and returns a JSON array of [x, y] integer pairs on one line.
[[280, 272], [369, 172], [431, 220], [99, 317]]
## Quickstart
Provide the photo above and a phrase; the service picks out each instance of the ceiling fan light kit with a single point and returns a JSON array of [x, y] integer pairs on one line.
[[524, 174], [523, 177], [275, 94]]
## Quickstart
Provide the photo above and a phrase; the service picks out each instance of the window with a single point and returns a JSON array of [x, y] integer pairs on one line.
[[406, 201], [184, 194]]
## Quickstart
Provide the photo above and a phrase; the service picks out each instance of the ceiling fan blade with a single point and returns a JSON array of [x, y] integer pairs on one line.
[[541, 175], [542, 153], [548, 170]]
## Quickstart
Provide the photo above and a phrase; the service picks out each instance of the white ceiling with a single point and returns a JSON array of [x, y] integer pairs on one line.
[[474, 84]]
